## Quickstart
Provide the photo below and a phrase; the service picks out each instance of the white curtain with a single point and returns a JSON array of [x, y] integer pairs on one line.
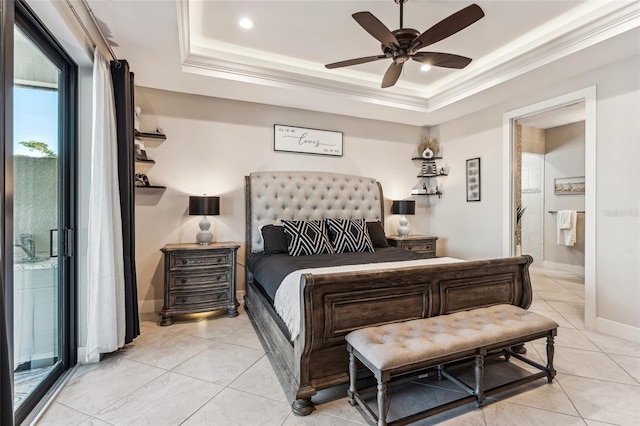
[[106, 308]]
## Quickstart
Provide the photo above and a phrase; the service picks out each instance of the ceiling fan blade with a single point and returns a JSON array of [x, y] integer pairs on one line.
[[448, 27], [377, 29], [356, 61], [446, 60], [392, 75]]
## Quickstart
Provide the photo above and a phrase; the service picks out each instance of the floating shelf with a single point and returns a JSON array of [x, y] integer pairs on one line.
[[427, 159], [143, 166], [432, 176], [151, 187], [152, 139]]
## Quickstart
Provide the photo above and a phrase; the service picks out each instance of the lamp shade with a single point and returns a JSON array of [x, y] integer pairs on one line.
[[403, 207], [203, 205]]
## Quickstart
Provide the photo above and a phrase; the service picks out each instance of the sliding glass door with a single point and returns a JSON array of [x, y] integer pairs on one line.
[[39, 208]]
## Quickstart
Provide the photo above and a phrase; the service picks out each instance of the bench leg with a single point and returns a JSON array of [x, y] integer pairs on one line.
[[478, 369], [382, 403], [551, 373], [440, 369], [353, 370]]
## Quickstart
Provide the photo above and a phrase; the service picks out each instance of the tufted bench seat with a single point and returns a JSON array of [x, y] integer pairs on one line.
[[409, 348]]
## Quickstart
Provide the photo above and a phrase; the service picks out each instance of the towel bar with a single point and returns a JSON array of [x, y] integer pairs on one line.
[[555, 211]]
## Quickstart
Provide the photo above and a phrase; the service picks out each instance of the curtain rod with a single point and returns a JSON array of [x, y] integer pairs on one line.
[[95, 23]]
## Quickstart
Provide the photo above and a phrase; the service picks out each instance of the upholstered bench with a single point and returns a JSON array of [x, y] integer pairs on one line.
[[428, 345]]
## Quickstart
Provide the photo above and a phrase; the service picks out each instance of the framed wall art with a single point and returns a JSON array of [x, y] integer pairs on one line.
[[307, 141], [473, 179], [569, 186]]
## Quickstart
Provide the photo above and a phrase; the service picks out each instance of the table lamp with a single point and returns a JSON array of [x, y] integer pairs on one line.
[[203, 205], [403, 207]]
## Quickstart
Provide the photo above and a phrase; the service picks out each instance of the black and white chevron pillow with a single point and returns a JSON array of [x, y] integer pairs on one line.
[[305, 238], [350, 235]]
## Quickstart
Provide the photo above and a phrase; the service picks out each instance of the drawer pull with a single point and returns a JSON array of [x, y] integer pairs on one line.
[[185, 261], [220, 259], [184, 280], [184, 299]]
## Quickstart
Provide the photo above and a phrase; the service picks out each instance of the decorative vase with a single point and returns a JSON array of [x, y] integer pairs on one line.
[[427, 153]]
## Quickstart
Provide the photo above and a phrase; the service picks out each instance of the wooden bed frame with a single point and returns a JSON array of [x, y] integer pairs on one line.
[[337, 303]]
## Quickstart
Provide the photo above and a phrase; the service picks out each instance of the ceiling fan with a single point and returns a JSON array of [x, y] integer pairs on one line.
[[404, 43]]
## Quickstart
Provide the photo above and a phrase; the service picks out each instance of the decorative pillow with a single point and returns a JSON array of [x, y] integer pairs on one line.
[[376, 233], [307, 237], [275, 242], [349, 235]]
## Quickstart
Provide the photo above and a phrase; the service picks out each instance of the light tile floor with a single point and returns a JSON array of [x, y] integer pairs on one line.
[[214, 371]]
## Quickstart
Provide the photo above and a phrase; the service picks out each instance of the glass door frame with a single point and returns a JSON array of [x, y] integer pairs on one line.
[[37, 33]]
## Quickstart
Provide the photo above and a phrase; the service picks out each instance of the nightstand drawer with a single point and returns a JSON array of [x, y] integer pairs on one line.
[[192, 299], [420, 246], [185, 280], [198, 260]]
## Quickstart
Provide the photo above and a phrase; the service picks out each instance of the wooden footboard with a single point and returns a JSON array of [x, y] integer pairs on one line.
[[335, 304]]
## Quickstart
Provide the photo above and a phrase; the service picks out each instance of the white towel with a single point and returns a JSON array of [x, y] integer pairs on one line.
[[566, 227]]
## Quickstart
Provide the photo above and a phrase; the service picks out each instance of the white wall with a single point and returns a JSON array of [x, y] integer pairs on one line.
[[213, 143], [474, 229], [565, 151]]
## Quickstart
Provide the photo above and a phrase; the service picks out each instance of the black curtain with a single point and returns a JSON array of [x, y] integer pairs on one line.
[[123, 95]]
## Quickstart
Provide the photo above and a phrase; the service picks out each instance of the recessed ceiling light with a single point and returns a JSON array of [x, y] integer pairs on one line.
[[425, 68], [246, 23]]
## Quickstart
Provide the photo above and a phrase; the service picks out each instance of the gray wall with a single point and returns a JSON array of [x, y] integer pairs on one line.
[[35, 201], [565, 149]]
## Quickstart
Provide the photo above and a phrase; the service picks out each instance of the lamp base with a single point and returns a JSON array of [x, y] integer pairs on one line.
[[205, 236], [403, 229]]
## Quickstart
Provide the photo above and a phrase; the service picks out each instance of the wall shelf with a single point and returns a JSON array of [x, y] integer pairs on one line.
[[150, 139], [143, 166]]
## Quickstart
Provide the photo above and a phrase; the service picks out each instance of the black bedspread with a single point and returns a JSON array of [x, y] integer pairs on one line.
[[269, 270]]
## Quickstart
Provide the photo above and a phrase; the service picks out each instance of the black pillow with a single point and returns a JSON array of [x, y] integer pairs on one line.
[[275, 242], [376, 233]]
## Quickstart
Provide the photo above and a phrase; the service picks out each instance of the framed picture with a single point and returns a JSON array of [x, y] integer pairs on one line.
[[473, 179], [307, 141], [569, 186]]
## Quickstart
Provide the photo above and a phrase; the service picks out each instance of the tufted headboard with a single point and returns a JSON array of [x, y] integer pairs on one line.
[[272, 196]]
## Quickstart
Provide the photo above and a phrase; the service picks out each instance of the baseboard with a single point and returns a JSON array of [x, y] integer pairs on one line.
[[564, 267], [623, 331], [150, 306]]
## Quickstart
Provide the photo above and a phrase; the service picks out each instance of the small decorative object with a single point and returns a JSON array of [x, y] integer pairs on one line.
[[403, 207], [442, 170], [473, 179], [569, 186], [307, 141], [142, 179], [203, 205], [136, 122], [428, 148], [140, 152]]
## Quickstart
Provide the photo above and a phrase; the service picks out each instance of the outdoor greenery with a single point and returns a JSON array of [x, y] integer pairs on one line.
[[36, 146]]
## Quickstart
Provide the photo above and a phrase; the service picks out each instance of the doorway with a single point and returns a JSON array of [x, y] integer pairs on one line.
[[511, 187], [551, 171]]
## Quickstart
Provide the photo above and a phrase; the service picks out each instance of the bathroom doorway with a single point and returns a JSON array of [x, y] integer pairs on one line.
[[552, 169], [512, 185]]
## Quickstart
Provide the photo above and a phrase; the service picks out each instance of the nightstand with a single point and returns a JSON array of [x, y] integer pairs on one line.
[[199, 278], [419, 243]]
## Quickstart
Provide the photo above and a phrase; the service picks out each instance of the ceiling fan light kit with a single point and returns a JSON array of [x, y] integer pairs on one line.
[[404, 43]]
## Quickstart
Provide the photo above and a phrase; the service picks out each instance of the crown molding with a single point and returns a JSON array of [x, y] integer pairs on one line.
[[598, 30]]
